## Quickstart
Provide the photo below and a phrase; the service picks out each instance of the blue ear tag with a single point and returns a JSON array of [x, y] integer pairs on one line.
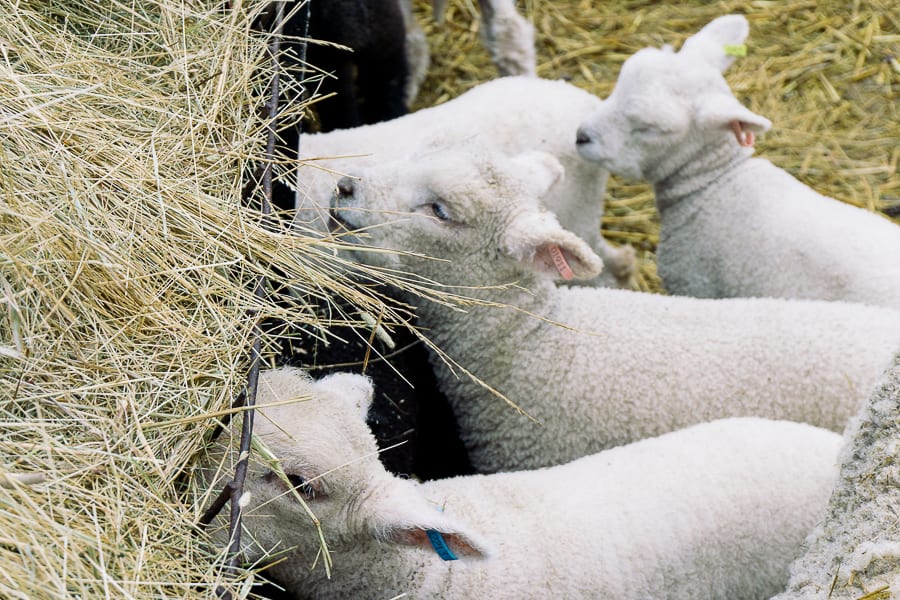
[[440, 545]]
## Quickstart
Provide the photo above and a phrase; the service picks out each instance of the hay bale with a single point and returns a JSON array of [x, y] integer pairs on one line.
[[128, 270]]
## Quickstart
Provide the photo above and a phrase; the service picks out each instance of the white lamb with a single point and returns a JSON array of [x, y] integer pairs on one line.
[[516, 114], [731, 225], [715, 511], [623, 365], [509, 37], [856, 551]]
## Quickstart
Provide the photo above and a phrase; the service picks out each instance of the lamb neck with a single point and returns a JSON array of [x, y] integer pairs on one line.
[[480, 326], [695, 172]]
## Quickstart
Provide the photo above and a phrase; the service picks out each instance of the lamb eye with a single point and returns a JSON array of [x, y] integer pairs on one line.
[[301, 485], [440, 211], [297, 482]]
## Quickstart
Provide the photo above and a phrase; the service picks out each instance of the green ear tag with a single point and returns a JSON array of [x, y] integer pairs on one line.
[[735, 50]]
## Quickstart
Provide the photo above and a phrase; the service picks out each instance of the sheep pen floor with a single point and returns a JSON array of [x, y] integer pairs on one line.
[[825, 73]]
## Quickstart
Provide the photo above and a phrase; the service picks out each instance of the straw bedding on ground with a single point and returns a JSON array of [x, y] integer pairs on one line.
[[129, 263]]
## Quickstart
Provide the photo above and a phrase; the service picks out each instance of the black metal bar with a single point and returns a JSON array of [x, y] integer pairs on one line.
[[217, 506], [305, 36], [234, 489], [240, 471]]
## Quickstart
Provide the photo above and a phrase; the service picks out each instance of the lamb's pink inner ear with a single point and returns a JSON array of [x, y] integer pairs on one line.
[[744, 137], [458, 543]]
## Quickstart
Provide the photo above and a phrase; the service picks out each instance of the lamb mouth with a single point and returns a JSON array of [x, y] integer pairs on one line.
[[336, 223], [591, 155]]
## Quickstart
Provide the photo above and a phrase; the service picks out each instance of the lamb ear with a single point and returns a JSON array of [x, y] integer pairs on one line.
[[722, 110], [446, 542], [349, 387], [538, 241], [405, 518], [711, 43]]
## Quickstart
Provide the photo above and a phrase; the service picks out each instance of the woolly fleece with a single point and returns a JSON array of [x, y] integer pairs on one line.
[[857, 549]]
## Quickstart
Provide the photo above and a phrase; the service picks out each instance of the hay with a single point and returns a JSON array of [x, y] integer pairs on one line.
[[126, 296], [826, 74], [128, 262]]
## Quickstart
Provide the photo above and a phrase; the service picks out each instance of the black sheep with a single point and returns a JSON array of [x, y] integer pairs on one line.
[[370, 81]]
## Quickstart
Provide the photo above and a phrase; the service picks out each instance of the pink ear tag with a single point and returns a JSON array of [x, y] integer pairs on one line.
[[559, 261], [744, 138]]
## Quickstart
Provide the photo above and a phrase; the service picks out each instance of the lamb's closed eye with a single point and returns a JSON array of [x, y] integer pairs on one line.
[[645, 128], [303, 486]]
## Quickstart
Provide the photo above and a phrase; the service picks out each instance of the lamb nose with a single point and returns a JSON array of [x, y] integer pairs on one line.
[[581, 137], [345, 186]]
